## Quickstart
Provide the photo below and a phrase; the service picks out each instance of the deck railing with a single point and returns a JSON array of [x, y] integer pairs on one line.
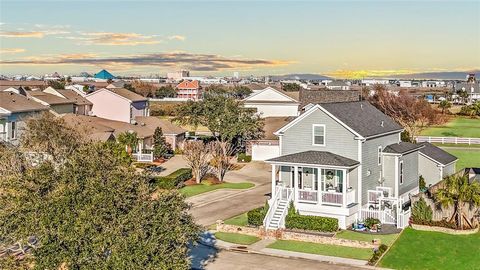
[[308, 196], [443, 140], [143, 157], [335, 198]]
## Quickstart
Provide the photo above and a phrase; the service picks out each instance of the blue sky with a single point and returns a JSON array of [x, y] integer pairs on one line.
[[341, 38]]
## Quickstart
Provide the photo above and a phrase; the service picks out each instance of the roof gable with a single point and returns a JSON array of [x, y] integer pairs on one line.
[[269, 94], [120, 92], [188, 85]]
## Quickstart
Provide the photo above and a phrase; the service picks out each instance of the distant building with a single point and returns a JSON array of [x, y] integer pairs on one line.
[[405, 83], [104, 75], [177, 75], [369, 82], [189, 89], [338, 85]]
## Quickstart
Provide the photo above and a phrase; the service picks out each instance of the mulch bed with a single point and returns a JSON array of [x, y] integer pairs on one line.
[[209, 179], [386, 229]]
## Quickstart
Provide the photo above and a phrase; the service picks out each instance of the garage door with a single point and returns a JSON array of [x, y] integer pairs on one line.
[[263, 152]]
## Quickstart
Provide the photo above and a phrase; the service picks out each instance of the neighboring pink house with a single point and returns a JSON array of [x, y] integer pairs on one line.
[[190, 90], [118, 104]]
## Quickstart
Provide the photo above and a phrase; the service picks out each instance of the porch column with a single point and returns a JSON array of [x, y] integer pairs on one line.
[[295, 184], [344, 187], [319, 184], [273, 180]]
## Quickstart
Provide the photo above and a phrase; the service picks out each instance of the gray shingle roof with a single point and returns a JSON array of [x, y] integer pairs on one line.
[[316, 158], [362, 117], [401, 148], [319, 96], [437, 154]]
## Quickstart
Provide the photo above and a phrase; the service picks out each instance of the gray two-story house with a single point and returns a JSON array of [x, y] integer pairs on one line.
[[343, 160]]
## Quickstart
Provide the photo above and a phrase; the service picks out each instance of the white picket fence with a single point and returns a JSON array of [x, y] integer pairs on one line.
[[143, 157], [443, 140], [403, 219]]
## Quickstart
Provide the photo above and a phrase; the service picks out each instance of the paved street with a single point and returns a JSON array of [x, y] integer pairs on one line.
[[223, 204], [243, 261]]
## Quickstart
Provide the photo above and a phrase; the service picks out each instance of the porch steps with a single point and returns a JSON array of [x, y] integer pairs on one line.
[[277, 215]]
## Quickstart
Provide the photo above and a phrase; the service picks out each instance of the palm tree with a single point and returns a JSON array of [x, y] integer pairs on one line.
[[458, 191], [128, 139], [445, 105]]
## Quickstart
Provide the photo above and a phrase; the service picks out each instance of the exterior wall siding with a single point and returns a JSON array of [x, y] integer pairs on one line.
[[429, 170], [389, 172], [274, 110], [410, 172], [371, 171], [110, 106], [338, 140], [62, 108], [449, 170]]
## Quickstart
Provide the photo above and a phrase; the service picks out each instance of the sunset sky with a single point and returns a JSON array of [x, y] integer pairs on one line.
[[341, 38]]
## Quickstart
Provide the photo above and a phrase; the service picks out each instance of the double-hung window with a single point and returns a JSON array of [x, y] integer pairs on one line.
[[401, 172], [319, 135]]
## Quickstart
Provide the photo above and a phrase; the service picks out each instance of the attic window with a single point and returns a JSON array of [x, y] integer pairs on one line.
[[318, 135]]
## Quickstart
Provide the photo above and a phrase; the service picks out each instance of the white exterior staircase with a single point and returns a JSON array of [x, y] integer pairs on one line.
[[275, 218]]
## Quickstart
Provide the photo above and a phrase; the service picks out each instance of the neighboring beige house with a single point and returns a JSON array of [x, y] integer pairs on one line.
[[174, 135], [118, 104], [80, 106], [14, 109], [268, 146], [56, 104]]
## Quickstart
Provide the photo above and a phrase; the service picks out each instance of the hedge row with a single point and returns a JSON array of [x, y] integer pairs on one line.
[[242, 157], [173, 180], [256, 216], [309, 223], [377, 253]]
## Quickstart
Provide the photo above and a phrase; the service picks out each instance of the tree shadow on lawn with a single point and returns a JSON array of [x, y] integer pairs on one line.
[[204, 251]]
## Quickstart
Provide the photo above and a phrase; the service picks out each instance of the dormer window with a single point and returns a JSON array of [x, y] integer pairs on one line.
[[319, 135]]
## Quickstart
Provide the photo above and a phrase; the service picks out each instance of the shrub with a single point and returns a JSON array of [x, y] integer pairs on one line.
[[377, 253], [255, 217], [421, 211], [293, 220], [421, 183], [437, 223], [142, 165], [242, 157], [370, 222], [173, 180]]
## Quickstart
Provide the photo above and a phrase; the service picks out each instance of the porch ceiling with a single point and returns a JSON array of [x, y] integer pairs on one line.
[[315, 158]]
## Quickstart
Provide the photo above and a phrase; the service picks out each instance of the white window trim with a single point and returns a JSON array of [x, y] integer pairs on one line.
[[379, 155], [400, 172], [324, 134]]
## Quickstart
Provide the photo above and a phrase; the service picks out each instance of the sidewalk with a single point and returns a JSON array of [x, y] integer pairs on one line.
[[260, 247]]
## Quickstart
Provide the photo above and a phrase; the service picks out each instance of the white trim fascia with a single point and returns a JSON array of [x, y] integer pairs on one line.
[[324, 134], [310, 165], [360, 171], [5, 112], [307, 113], [385, 133], [270, 88], [105, 89], [436, 161], [397, 187]]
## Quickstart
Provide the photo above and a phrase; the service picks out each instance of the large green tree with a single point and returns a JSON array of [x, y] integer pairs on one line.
[[225, 117], [91, 212], [160, 145]]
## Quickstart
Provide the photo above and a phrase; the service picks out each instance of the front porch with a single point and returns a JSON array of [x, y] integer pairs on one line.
[[322, 186]]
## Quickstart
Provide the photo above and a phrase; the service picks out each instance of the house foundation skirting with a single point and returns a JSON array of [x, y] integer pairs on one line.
[[282, 234]]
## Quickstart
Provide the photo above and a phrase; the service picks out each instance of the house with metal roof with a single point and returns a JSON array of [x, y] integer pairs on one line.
[[344, 160]]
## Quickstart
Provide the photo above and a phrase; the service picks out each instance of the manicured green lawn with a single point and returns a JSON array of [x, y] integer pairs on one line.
[[466, 157], [329, 250], [236, 238], [457, 127], [385, 239], [240, 220], [433, 250], [202, 188]]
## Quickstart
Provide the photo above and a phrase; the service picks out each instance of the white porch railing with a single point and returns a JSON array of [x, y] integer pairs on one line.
[[335, 198], [383, 215], [281, 194], [308, 196], [143, 157], [273, 206], [442, 140]]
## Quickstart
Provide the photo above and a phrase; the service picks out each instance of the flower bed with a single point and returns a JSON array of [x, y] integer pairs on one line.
[[442, 229]]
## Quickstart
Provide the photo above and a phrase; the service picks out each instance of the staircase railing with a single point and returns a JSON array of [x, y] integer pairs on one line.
[[273, 207], [282, 217]]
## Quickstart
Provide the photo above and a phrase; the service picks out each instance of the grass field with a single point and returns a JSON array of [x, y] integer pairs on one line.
[[466, 157], [351, 235], [456, 127], [202, 188], [240, 220], [433, 250], [329, 250], [236, 238]]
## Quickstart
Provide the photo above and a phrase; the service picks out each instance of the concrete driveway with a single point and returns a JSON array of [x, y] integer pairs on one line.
[[222, 204], [173, 164]]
